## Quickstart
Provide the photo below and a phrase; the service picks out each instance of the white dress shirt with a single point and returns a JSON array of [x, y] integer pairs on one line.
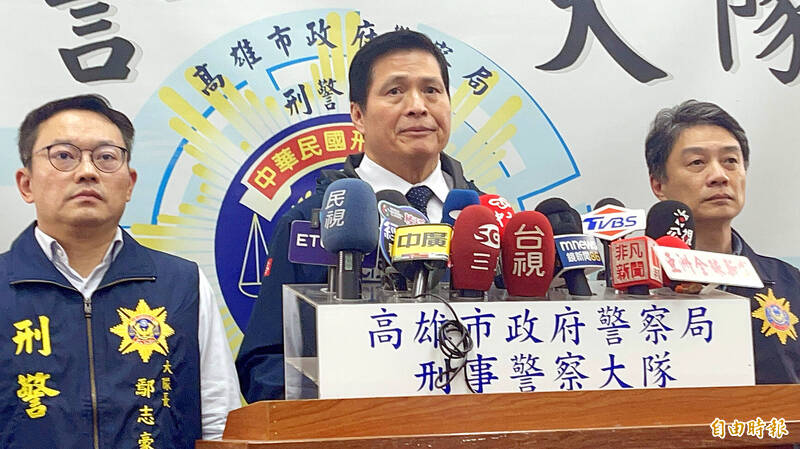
[[380, 178], [219, 386]]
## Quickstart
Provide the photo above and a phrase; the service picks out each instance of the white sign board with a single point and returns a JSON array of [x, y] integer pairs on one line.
[[392, 349]]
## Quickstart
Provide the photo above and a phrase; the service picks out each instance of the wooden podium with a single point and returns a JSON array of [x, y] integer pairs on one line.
[[639, 418]]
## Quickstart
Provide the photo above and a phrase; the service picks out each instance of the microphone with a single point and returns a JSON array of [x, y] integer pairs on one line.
[[392, 197], [421, 252], [670, 217], [394, 210], [608, 201], [474, 250], [606, 243], [456, 201], [680, 287], [566, 222], [672, 242], [634, 265], [349, 218], [528, 254], [499, 206], [502, 213]]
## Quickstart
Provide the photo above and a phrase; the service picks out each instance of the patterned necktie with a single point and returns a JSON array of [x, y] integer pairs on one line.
[[418, 197]]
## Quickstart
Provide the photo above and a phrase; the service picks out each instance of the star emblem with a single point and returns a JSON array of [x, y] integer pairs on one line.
[[144, 330]]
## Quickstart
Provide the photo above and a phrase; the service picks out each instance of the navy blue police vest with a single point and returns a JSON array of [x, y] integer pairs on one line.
[[119, 370]]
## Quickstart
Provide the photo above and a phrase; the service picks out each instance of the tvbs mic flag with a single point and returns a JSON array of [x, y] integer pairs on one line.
[[474, 250], [610, 221], [528, 254]]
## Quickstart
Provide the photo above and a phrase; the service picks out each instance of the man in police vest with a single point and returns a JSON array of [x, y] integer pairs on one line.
[[698, 154], [106, 343]]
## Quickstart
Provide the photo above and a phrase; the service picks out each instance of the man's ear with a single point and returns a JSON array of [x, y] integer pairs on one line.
[[23, 177], [657, 186], [133, 175], [357, 116]]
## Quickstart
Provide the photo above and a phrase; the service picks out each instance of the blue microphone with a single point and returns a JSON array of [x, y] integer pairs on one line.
[[457, 200], [349, 223], [566, 222]]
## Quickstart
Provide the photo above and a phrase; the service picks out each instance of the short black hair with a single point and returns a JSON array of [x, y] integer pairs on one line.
[[29, 129], [670, 122], [360, 76]]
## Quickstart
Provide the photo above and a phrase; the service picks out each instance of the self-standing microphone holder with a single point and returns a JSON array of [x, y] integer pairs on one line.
[[577, 284], [421, 282], [348, 276], [468, 293], [331, 268], [391, 280], [642, 290], [425, 275]]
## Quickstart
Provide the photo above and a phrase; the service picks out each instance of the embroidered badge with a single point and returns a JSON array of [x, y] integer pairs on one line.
[[776, 316], [144, 330]]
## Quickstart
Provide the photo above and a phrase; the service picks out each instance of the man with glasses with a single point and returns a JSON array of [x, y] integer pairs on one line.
[[105, 343]]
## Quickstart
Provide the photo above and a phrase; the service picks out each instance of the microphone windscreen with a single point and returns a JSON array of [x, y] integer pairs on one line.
[[392, 196], [563, 218], [349, 217], [528, 253], [670, 217], [474, 249], [499, 206], [608, 202], [680, 287], [672, 242], [457, 200]]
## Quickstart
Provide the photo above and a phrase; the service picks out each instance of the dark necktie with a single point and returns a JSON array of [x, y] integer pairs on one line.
[[418, 197]]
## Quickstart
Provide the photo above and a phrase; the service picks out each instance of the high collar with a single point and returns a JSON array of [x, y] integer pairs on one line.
[[27, 262]]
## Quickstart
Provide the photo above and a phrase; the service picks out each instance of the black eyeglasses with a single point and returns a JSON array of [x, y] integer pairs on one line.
[[66, 157]]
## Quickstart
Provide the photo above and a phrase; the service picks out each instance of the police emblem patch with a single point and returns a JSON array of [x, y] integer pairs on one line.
[[144, 330], [776, 315]]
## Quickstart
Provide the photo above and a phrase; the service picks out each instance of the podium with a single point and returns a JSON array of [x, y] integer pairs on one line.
[[389, 406], [639, 418]]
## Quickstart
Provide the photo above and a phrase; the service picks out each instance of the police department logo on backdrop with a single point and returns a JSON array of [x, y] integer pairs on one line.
[[250, 120]]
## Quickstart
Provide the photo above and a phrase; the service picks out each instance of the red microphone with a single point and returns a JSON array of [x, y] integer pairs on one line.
[[528, 254], [672, 242], [500, 207], [474, 249], [679, 287], [634, 265]]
